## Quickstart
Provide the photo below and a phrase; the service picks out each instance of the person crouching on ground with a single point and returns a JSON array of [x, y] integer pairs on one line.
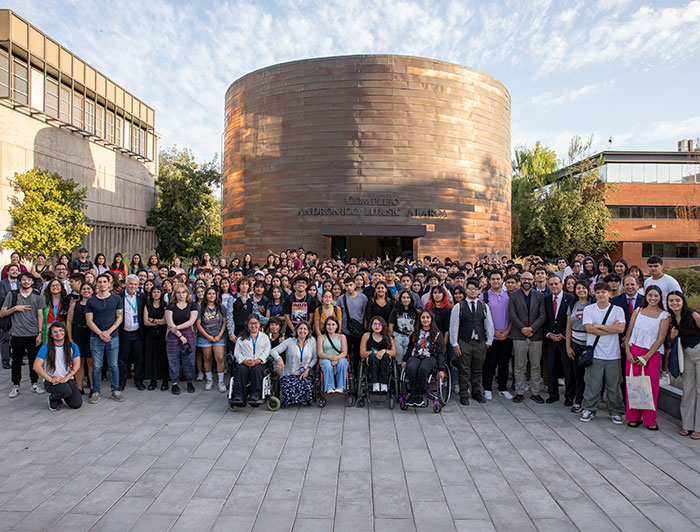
[[57, 363]]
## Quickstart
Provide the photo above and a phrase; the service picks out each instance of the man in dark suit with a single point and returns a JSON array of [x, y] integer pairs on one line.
[[6, 286], [131, 333], [556, 306], [527, 316], [629, 300]]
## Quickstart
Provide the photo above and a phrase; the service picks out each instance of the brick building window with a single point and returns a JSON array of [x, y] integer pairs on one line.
[[671, 250]]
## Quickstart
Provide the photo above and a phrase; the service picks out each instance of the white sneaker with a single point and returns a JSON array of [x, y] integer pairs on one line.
[[384, 388], [587, 415], [14, 392], [506, 395], [200, 376], [616, 418], [340, 390], [208, 385], [488, 395], [560, 382], [375, 387], [37, 389], [222, 387]]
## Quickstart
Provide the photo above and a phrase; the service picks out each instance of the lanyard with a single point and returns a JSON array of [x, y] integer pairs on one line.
[[133, 306], [301, 356], [254, 341], [55, 310]]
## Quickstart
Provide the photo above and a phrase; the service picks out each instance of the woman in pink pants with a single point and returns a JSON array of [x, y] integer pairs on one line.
[[644, 345]]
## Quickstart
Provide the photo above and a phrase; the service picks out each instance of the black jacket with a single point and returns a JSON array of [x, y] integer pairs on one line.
[[140, 305], [621, 301], [557, 324]]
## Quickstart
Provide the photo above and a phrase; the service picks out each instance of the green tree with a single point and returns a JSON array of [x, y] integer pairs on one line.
[[47, 214], [186, 215], [559, 214]]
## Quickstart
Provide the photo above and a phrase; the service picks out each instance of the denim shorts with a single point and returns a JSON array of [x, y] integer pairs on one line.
[[203, 342]]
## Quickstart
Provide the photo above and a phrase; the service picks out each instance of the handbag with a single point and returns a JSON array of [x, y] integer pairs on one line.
[[355, 328], [639, 394], [675, 359], [586, 358]]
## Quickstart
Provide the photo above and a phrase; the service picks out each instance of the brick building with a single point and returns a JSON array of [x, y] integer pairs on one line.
[[366, 155]]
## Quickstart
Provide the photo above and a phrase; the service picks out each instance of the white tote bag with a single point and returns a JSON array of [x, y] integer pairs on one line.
[[639, 394]]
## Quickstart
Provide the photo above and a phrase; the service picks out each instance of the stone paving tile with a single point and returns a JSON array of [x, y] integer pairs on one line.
[[158, 462]]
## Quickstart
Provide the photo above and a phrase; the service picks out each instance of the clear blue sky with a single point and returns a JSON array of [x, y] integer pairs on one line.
[[610, 68]]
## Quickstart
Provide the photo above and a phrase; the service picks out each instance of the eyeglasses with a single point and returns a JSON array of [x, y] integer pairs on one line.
[[376, 323]]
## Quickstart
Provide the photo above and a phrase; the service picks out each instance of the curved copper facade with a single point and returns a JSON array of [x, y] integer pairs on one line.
[[377, 145]]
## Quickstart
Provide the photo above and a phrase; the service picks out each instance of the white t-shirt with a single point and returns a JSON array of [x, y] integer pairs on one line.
[[608, 347], [60, 370], [666, 283]]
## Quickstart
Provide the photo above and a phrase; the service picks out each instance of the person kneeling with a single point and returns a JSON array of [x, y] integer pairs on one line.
[[425, 351], [57, 363], [251, 353]]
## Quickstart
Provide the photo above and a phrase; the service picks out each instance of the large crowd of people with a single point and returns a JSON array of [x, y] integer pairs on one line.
[[536, 328]]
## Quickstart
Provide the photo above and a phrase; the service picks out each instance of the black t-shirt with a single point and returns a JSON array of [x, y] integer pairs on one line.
[[180, 316], [262, 304], [104, 311], [299, 309], [404, 321], [82, 267]]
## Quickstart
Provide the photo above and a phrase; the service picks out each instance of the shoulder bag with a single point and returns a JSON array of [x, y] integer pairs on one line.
[[355, 328], [586, 358]]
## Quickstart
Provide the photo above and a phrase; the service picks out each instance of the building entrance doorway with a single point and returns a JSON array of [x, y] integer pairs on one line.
[[347, 247]]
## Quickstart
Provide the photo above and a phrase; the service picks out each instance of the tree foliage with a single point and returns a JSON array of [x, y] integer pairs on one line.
[[187, 217], [555, 215], [47, 214]]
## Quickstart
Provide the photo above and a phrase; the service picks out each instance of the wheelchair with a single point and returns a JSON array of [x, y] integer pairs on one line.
[[366, 396], [438, 391], [320, 391], [270, 385]]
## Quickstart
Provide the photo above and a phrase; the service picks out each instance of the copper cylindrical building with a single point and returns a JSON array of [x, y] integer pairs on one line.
[[367, 155]]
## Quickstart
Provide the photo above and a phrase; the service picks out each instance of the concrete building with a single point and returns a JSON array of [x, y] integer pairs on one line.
[[59, 113], [366, 155], [653, 193]]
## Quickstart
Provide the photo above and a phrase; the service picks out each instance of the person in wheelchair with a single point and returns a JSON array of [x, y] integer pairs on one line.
[[377, 350], [251, 352], [295, 368], [333, 354], [425, 352]]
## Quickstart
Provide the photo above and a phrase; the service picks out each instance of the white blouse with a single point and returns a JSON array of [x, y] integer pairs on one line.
[[646, 330]]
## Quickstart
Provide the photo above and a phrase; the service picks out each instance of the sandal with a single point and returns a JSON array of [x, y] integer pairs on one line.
[[683, 432], [652, 427], [634, 424], [695, 436]]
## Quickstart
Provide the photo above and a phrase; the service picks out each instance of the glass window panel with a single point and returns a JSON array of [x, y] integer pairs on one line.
[[109, 134], [90, 116], [674, 173], [649, 213], [690, 173], [649, 173], [118, 131], [669, 249], [662, 213], [4, 75], [625, 212], [142, 142], [64, 109], [37, 101], [637, 212], [19, 82], [51, 97], [134, 138], [78, 103], [637, 173], [603, 173], [693, 251], [663, 173], [100, 121], [647, 249], [613, 172], [614, 212]]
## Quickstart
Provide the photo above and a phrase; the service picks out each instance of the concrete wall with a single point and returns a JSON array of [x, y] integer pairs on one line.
[[121, 189], [321, 132]]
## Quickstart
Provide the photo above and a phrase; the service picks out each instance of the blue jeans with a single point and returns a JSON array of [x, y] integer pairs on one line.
[[330, 380], [98, 349]]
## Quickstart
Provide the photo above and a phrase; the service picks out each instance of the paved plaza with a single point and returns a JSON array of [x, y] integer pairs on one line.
[[158, 462]]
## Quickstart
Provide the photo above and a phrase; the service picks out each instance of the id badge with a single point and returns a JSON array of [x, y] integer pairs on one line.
[[135, 319]]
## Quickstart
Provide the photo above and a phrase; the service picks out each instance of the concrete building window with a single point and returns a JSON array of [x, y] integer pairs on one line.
[[51, 98], [37, 89], [78, 110], [126, 142], [643, 213], [90, 116], [118, 131], [135, 139], [100, 121], [4, 75], [650, 173], [64, 109], [109, 135], [671, 250], [142, 142], [19, 82]]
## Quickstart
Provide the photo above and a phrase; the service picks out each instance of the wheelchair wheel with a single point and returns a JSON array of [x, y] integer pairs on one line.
[[437, 409], [321, 401], [350, 400], [444, 389], [273, 403], [231, 407], [361, 402]]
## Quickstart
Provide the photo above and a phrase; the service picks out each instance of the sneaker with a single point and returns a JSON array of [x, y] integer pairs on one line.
[[340, 390], [175, 389], [37, 389], [419, 401], [94, 398], [117, 396], [456, 388], [200, 376], [6, 365], [51, 407], [506, 395], [384, 388], [209, 385], [411, 400], [616, 418], [488, 395], [190, 387], [375, 387], [576, 408], [222, 387], [587, 415], [14, 392]]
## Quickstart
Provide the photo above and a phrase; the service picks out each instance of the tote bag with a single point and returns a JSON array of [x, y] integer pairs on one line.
[[639, 395], [675, 359]]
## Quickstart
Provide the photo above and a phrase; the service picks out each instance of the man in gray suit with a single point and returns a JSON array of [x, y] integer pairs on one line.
[[527, 315]]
